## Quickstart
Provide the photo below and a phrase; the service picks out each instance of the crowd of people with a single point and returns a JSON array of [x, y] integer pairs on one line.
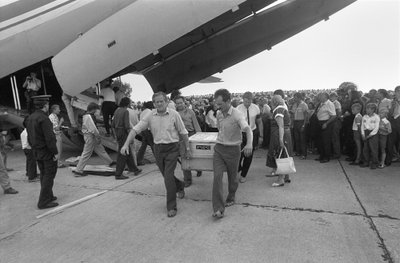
[[364, 127]]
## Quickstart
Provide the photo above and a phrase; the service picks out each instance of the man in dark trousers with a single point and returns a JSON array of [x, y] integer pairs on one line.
[[122, 127], [43, 142], [166, 125]]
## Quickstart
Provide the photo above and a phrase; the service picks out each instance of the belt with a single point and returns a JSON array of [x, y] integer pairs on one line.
[[166, 144]]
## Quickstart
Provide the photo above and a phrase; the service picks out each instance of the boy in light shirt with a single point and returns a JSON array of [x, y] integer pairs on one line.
[[384, 130], [369, 134]]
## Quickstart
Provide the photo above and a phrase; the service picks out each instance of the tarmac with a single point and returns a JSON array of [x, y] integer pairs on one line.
[[330, 212]]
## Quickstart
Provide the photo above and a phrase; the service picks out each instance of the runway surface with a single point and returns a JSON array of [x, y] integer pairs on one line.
[[330, 212]]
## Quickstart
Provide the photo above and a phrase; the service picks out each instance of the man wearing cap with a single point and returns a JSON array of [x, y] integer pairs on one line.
[[326, 115], [43, 142]]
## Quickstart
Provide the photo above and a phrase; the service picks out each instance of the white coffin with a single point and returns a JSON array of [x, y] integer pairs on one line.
[[202, 148]]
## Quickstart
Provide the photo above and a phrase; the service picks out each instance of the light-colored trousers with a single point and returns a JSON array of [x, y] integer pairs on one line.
[[59, 146], [90, 146], [4, 179]]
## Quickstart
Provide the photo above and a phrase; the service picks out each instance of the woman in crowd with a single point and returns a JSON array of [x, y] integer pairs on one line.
[[280, 137]]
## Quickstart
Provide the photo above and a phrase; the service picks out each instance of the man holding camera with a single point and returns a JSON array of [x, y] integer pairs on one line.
[[32, 86]]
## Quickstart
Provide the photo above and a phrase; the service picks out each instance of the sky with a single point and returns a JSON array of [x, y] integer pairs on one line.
[[360, 43]]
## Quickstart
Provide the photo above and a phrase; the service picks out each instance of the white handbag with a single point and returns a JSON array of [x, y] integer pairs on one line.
[[285, 165]]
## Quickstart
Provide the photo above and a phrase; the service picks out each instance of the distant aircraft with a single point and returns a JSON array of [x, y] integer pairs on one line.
[[173, 43]]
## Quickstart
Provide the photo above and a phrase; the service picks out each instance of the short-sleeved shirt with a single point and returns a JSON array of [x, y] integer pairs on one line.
[[280, 111], [254, 113], [108, 94], [326, 110], [370, 123], [299, 110], [165, 127], [24, 140], [55, 121], [357, 121], [230, 127]]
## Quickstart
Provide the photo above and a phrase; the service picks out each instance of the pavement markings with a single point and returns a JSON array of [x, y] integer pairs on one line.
[[386, 254], [71, 204]]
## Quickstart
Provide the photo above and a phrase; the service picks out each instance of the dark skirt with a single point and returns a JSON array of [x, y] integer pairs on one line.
[[275, 148]]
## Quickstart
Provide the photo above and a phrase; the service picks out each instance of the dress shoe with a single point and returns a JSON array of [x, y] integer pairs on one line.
[[140, 163], [181, 194], [349, 159], [121, 177], [10, 191], [54, 198], [354, 163], [229, 203], [137, 172], [324, 160], [61, 165], [48, 205], [79, 174], [35, 179], [364, 165], [218, 214], [172, 213]]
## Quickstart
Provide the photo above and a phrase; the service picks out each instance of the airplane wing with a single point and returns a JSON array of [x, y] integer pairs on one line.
[[172, 43], [215, 50], [174, 51]]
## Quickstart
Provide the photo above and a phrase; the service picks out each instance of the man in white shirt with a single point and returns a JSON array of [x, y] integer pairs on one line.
[[326, 115], [337, 125], [252, 115], [108, 106]]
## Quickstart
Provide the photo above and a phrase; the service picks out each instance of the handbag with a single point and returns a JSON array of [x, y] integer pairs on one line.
[[285, 165]]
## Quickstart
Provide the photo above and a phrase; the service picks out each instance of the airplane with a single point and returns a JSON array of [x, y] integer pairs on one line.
[[76, 44]]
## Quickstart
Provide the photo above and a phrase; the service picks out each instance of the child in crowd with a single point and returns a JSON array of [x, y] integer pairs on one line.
[[31, 167], [356, 109], [92, 140], [384, 130], [369, 133]]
